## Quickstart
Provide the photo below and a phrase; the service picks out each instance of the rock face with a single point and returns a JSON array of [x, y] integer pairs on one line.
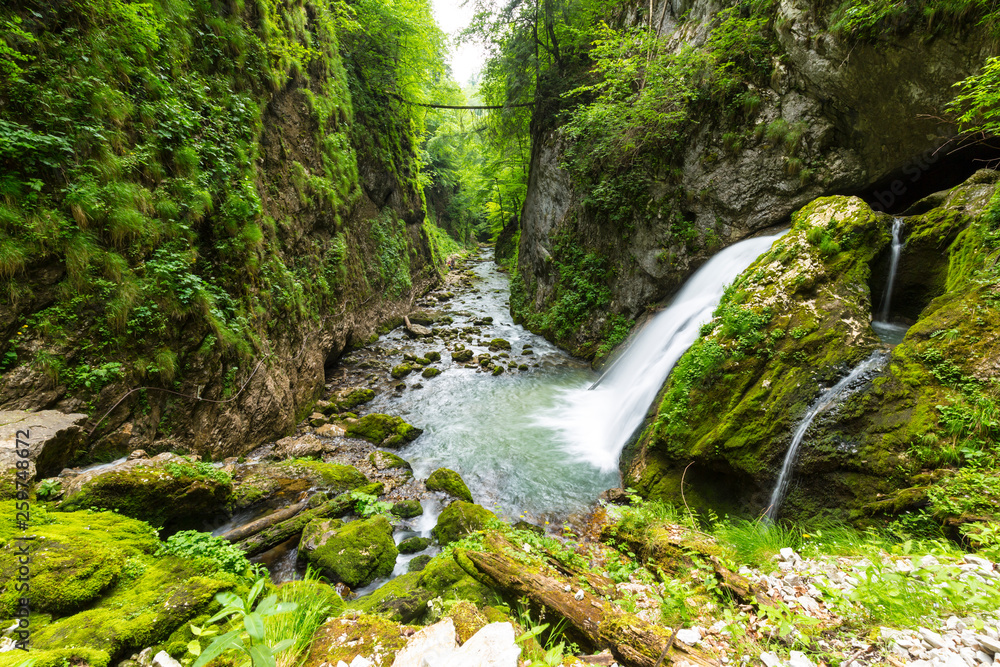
[[833, 118], [796, 322], [50, 437], [356, 553]]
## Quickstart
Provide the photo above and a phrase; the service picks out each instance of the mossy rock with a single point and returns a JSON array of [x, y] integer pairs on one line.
[[252, 489], [146, 612], [459, 519], [433, 356], [355, 398], [461, 356], [355, 554], [383, 430], [389, 461], [332, 476], [498, 344], [401, 371], [497, 370], [75, 557], [155, 495], [468, 620], [430, 372], [342, 639], [414, 545], [418, 563], [450, 482], [421, 361], [59, 657], [407, 509]]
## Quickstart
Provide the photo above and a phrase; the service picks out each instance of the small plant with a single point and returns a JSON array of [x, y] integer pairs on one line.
[[49, 489], [366, 504], [251, 638], [194, 544]]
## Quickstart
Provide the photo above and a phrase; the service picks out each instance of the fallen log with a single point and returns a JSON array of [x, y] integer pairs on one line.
[[633, 641], [274, 535], [254, 527]]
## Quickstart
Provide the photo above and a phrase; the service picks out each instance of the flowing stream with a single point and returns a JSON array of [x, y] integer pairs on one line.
[[595, 422], [838, 392]]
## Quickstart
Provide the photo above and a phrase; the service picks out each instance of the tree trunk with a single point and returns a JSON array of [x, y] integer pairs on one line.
[[633, 641], [276, 534], [254, 527]]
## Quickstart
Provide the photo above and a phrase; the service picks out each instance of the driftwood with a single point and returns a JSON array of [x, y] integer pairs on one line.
[[274, 535], [254, 527], [633, 641]]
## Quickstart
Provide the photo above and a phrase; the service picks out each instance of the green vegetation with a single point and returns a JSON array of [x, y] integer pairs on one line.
[[383, 430], [219, 554], [449, 482]]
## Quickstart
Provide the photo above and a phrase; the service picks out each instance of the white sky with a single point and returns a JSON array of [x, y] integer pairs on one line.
[[467, 59]]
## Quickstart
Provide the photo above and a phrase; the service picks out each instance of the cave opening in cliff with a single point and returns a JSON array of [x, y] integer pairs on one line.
[[933, 170]]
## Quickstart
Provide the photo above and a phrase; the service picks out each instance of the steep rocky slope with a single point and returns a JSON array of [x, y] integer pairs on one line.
[[213, 206], [826, 107]]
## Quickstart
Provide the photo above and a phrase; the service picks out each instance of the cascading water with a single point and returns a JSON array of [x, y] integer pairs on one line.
[[887, 331], [831, 397], [594, 423]]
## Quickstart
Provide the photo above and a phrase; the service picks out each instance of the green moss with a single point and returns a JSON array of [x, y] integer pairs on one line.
[[169, 592], [383, 430], [449, 482], [401, 371], [414, 544], [498, 344], [75, 558], [459, 519], [407, 509], [356, 553], [59, 657], [332, 476], [343, 639], [433, 356], [355, 398], [431, 372], [461, 356], [388, 461], [153, 494]]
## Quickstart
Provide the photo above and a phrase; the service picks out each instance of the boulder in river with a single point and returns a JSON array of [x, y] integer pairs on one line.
[[450, 482], [430, 372], [498, 344], [349, 399], [461, 356], [383, 430], [402, 370], [407, 509], [459, 519], [433, 356], [356, 553], [413, 545], [388, 461]]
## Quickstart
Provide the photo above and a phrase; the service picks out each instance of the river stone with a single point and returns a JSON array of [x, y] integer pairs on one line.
[[498, 344], [402, 370], [52, 440], [493, 646], [414, 545], [989, 644], [389, 461], [689, 636], [348, 399], [431, 372], [428, 646], [459, 519], [417, 331], [433, 356], [355, 554], [449, 482], [418, 563], [407, 509], [383, 430]]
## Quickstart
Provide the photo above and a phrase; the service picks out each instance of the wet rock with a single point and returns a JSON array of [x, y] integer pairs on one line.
[[421, 361], [433, 356], [388, 461], [431, 372], [498, 344], [317, 419], [459, 519], [348, 399], [498, 370], [330, 431], [418, 331], [461, 356], [383, 430], [356, 553], [306, 446], [414, 545], [138, 454], [400, 371], [407, 509], [418, 563], [450, 482]]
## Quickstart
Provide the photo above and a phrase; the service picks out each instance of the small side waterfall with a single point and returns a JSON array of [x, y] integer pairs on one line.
[[594, 423], [897, 248], [831, 397]]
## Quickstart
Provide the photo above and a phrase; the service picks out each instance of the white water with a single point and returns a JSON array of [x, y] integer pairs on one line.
[[897, 248], [593, 424], [832, 396]]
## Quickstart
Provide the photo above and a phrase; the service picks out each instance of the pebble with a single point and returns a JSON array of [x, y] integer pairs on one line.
[[799, 659], [989, 644], [689, 636], [770, 659]]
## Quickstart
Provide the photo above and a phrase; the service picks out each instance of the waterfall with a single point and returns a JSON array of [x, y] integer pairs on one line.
[[897, 247], [593, 424], [832, 396]]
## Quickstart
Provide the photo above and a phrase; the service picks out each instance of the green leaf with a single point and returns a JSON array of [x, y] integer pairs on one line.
[[283, 645], [261, 656], [255, 626], [194, 647], [221, 644]]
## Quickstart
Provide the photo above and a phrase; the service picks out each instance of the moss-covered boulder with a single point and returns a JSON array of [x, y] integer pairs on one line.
[[60, 657], [450, 482], [169, 492], [433, 356], [498, 344], [407, 509], [401, 371], [383, 430], [430, 372], [461, 356], [797, 321], [75, 557], [356, 553], [164, 595], [389, 461], [414, 545], [418, 563], [353, 398], [332, 476], [459, 519], [342, 639]]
